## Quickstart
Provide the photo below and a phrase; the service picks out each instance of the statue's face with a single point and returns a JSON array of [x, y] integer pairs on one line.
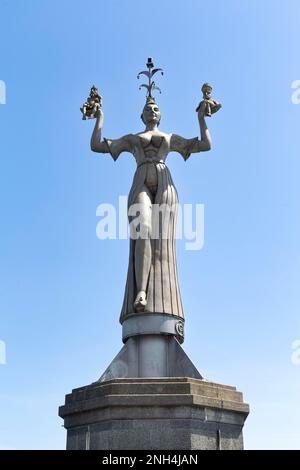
[[151, 113], [207, 92]]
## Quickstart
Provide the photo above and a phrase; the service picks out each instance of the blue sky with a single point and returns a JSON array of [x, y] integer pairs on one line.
[[61, 288]]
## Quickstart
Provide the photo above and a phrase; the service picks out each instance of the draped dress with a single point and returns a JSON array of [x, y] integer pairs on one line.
[[163, 292]]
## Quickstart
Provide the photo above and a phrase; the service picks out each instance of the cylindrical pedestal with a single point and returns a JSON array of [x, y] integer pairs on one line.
[[160, 324]]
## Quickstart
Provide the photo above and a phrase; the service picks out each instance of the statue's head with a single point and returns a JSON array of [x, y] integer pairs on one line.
[[151, 112], [206, 90], [94, 90]]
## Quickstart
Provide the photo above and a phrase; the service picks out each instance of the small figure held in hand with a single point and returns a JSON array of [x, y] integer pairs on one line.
[[92, 105], [208, 106]]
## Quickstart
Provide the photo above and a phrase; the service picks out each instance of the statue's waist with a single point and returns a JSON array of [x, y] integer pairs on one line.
[[154, 162]]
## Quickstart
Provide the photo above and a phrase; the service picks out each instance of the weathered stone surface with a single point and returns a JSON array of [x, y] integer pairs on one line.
[[165, 413]]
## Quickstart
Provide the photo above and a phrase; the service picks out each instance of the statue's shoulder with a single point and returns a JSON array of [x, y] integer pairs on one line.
[[132, 138]]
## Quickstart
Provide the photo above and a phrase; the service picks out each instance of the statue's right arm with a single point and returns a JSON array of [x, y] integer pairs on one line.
[[114, 147]]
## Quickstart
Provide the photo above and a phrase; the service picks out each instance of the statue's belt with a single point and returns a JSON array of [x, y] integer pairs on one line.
[[151, 161]]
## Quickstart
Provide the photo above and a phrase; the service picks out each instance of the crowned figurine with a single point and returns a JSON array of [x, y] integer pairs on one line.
[[92, 104], [207, 106]]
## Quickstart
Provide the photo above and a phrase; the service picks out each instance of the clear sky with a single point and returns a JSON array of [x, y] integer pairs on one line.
[[61, 288]]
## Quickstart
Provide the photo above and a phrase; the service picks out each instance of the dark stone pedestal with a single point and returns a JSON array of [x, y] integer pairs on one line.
[[154, 413]]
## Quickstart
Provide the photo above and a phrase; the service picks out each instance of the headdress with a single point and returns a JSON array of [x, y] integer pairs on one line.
[[151, 84]]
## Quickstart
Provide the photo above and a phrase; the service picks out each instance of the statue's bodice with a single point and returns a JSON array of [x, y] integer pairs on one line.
[[150, 149]]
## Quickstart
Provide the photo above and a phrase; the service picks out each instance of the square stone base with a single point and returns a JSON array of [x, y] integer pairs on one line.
[[154, 414]]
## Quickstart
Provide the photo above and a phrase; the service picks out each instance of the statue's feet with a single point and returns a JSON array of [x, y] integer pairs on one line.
[[140, 301]]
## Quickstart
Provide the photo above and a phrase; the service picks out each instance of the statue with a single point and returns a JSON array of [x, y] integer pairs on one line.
[[152, 282], [92, 104], [208, 106], [151, 396]]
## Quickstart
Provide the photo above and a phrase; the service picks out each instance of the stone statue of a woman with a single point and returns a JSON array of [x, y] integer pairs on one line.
[[151, 395], [152, 281]]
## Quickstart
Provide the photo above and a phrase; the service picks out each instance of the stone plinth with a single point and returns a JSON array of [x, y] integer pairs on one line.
[[154, 414]]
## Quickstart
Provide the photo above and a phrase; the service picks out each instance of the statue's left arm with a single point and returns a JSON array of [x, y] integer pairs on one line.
[[187, 146]]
